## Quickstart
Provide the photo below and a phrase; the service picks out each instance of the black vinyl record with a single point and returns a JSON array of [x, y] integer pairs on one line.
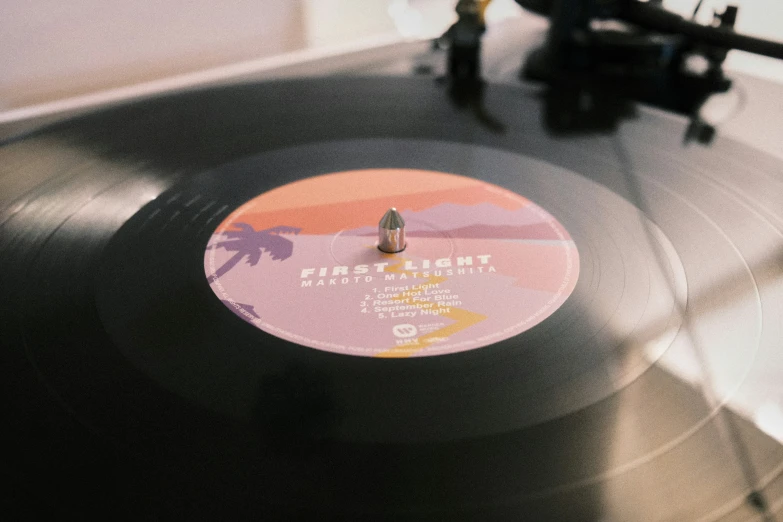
[[132, 391]]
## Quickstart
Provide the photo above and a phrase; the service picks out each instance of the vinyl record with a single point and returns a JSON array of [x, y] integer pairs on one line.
[[189, 327]]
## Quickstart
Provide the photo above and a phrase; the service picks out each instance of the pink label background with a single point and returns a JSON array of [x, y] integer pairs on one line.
[[536, 267]]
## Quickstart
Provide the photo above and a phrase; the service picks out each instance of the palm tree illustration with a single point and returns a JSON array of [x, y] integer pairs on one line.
[[251, 244]]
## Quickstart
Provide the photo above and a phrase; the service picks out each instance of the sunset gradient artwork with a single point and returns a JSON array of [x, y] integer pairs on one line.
[[482, 263]]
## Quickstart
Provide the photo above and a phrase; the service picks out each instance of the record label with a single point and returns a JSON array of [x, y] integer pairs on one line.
[[301, 262]]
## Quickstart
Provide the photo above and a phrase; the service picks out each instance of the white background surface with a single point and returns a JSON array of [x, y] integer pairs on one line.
[[52, 50]]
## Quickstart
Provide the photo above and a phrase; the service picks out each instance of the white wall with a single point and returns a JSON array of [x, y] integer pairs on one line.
[[53, 49]]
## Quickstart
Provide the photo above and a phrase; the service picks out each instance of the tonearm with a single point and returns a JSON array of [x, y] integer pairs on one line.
[[599, 54]]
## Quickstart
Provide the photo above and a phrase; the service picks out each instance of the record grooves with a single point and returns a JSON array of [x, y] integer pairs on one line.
[[133, 390]]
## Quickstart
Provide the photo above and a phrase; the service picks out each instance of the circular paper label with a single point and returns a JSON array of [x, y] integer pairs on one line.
[[301, 262]]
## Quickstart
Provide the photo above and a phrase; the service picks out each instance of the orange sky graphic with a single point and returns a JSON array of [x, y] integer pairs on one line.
[[348, 203]]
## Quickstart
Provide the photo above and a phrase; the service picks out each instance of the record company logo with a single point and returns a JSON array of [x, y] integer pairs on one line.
[[404, 330]]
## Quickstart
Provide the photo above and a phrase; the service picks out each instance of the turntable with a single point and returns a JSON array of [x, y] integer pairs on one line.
[[581, 322]]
